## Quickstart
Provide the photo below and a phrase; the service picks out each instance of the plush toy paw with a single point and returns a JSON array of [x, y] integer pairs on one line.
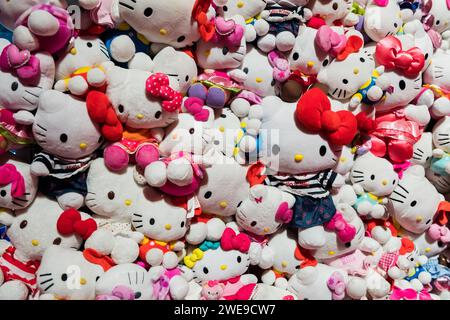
[[96, 77], [71, 200], [156, 174], [240, 107], [440, 107], [141, 61], [311, 238], [215, 228], [196, 233], [267, 43], [375, 93], [39, 169], [178, 287], [281, 283], [154, 257], [179, 172], [125, 250], [250, 33], [377, 286], [77, 86], [24, 117], [356, 288], [285, 41], [268, 277], [146, 155], [216, 98], [24, 39], [14, 290], [261, 27], [101, 240], [378, 211], [122, 49], [42, 23], [418, 113], [170, 260]]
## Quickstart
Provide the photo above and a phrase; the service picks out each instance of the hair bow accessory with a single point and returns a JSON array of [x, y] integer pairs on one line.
[[390, 54], [25, 65], [199, 14], [231, 241], [158, 86], [345, 231], [209, 245], [314, 114], [337, 286], [329, 41], [353, 44], [400, 168], [407, 246], [381, 3], [280, 65], [191, 259], [439, 233], [228, 32], [10, 175], [284, 213], [400, 294], [70, 222], [195, 106]]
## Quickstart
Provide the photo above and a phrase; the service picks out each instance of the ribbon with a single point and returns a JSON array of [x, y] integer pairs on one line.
[[25, 65], [158, 86], [400, 294], [195, 107], [353, 44], [439, 233], [345, 231], [231, 241], [191, 259], [284, 213], [330, 41], [9, 174], [70, 223]]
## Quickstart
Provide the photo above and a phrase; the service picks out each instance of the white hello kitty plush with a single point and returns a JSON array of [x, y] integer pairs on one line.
[[432, 242], [423, 150], [382, 21], [414, 201], [320, 282], [373, 179], [65, 274], [265, 210], [67, 147], [31, 231], [125, 282], [436, 18], [346, 161], [18, 187], [330, 12], [80, 69], [306, 170]]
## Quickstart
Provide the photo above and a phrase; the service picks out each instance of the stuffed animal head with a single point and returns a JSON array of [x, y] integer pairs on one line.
[[414, 201], [177, 64], [441, 134], [129, 275], [212, 290], [382, 21], [409, 255], [423, 150], [265, 210], [437, 72], [65, 274], [18, 186], [62, 126], [20, 92], [430, 243], [135, 106], [330, 11], [247, 9], [376, 175], [111, 194], [438, 17], [34, 229], [158, 218]]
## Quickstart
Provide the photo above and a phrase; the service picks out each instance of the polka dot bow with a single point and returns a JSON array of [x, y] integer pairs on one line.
[[158, 86]]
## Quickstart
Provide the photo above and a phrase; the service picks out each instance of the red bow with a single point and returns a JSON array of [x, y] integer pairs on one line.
[[231, 241], [407, 246], [158, 86], [354, 43], [206, 28], [70, 222], [390, 54]]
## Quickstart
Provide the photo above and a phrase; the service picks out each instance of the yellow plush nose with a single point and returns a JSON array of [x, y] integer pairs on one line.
[[140, 116], [331, 253], [223, 204], [35, 243], [223, 267], [240, 4], [83, 281], [168, 226], [259, 80], [83, 145], [384, 182], [221, 128], [284, 264], [73, 51], [128, 202], [356, 71], [419, 219], [298, 157], [162, 32], [310, 64], [266, 229]]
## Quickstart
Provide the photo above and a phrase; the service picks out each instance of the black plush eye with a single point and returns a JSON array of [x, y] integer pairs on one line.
[[191, 130], [137, 295], [395, 25], [239, 259], [394, 181], [182, 224], [158, 114], [325, 63], [121, 108], [205, 270], [63, 138], [3, 193], [111, 195], [208, 194], [96, 279], [426, 56], [276, 149], [372, 177], [413, 204], [438, 22], [89, 44], [402, 84], [245, 70], [225, 50], [64, 277], [57, 241], [186, 78], [348, 244], [14, 86], [295, 56], [362, 60], [253, 223], [440, 244], [335, 6], [344, 81], [148, 12], [23, 224], [272, 83], [181, 39], [225, 8], [152, 221], [322, 151], [411, 259]]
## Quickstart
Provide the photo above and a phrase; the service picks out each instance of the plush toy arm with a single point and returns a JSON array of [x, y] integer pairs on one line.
[[267, 258], [39, 169], [157, 133], [237, 75], [178, 246], [240, 107], [155, 273], [6, 217], [261, 26], [350, 19], [418, 113], [24, 117], [438, 153], [440, 108], [396, 273], [96, 77], [4, 245], [369, 245], [125, 250], [249, 278]]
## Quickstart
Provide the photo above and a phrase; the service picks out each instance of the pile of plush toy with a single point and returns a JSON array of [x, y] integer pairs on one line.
[[225, 149]]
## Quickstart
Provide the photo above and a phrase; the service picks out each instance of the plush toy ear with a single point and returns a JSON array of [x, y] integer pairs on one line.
[[259, 193], [52, 101], [416, 170], [7, 218]]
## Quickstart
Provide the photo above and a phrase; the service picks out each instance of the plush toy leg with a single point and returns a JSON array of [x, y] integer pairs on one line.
[[215, 228], [285, 41], [377, 286], [267, 43], [311, 238], [198, 90], [356, 288], [116, 158], [216, 97], [400, 151], [77, 86], [178, 288], [42, 23], [240, 107], [170, 260], [71, 200], [122, 49], [146, 155], [378, 211], [96, 77], [441, 107], [24, 39], [154, 257], [196, 233], [125, 250], [156, 174], [268, 277], [13, 290], [180, 172], [364, 208]]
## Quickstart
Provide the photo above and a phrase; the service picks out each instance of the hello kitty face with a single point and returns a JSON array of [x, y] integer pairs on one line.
[[414, 201], [169, 22], [285, 148], [224, 187], [265, 210], [438, 73], [423, 150], [345, 77], [284, 245], [86, 51], [134, 106], [330, 11], [346, 161], [33, 230], [158, 219], [187, 134], [111, 194], [441, 182], [259, 73], [441, 13], [425, 245], [17, 95], [376, 175], [62, 126], [247, 9], [380, 22], [306, 57], [67, 275], [213, 291], [130, 275], [226, 127], [441, 134], [7, 200], [177, 65]]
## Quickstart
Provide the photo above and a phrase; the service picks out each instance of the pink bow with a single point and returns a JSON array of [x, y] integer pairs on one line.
[[280, 65], [284, 214], [399, 294], [345, 231], [118, 293], [158, 86], [195, 107], [231, 241], [9, 174], [437, 232], [336, 285], [425, 295], [401, 167], [381, 3], [390, 54], [330, 41], [228, 33], [23, 63]]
